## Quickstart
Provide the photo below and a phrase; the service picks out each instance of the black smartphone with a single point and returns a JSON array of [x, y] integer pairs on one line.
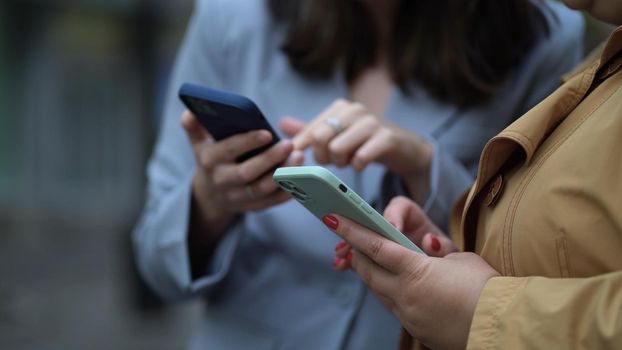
[[225, 114]]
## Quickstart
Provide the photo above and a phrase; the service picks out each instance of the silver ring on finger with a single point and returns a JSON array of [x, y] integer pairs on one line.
[[249, 191], [334, 124]]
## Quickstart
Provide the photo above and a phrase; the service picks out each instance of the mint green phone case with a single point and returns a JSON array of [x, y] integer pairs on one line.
[[322, 193]]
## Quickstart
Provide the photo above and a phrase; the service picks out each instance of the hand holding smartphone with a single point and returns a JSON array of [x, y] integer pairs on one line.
[[322, 193], [233, 174], [225, 114]]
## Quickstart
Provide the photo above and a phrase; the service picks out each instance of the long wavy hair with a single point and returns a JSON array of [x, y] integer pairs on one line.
[[460, 51]]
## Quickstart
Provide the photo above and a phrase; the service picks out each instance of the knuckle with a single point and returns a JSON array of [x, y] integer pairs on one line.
[[375, 246], [320, 137], [230, 148], [265, 187], [400, 200], [205, 160], [336, 149], [414, 271], [366, 276], [361, 159], [219, 179], [346, 230], [243, 174], [385, 133], [370, 121], [357, 105], [340, 102]]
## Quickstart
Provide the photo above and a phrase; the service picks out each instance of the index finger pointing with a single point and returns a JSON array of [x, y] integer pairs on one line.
[[382, 251]]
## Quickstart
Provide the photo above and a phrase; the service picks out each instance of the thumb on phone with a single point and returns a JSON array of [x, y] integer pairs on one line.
[[437, 245], [195, 131]]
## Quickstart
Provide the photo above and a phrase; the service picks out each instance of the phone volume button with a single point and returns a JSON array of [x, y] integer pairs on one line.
[[367, 208], [354, 198]]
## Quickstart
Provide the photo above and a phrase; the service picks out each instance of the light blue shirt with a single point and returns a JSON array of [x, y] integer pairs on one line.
[[270, 283]]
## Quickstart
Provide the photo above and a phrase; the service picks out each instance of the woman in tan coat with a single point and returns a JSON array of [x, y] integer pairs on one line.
[[544, 218]]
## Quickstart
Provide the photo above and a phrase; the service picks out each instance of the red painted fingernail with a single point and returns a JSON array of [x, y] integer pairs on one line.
[[436, 244], [340, 245], [337, 262], [349, 257], [331, 222]]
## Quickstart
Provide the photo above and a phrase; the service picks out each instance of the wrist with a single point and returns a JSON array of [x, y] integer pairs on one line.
[[424, 152], [417, 178], [207, 216]]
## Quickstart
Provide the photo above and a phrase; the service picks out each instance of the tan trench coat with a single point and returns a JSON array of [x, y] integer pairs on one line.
[[546, 212]]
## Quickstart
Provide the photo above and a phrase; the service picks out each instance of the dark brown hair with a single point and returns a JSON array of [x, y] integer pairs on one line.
[[459, 51]]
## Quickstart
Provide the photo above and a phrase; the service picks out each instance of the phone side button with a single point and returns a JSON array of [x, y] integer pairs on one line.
[[354, 198], [367, 208]]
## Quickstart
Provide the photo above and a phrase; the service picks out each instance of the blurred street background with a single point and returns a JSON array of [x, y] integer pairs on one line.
[[81, 85]]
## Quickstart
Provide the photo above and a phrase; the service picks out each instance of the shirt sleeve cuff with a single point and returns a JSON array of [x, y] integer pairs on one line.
[[220, 263], [393, 185], [448, 180], [161, 244]]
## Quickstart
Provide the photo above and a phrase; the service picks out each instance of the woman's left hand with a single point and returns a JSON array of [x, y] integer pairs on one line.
[[434, 298]]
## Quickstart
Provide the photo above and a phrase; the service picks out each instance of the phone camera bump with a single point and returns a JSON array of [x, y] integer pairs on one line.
[[287, 185], [204, 108], [299, 190], [298, 196], [294, 190]]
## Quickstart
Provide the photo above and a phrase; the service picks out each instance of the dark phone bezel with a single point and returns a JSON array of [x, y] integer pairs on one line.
[[203, 102]]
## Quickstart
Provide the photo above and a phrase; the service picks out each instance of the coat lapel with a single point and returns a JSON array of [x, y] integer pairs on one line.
[[525, 134]]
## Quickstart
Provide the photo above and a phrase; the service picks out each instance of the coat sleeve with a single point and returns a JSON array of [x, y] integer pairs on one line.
[[160, 244], [545, 313]]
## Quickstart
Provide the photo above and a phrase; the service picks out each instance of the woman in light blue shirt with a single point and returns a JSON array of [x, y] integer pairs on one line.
[[220, 231]]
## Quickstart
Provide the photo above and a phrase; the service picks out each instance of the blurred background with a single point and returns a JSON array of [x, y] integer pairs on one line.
[[81, 85]]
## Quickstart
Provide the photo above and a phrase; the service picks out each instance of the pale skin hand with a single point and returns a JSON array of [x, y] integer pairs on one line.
[[365, 139], [434, 298], [409, 219], [219, 184]]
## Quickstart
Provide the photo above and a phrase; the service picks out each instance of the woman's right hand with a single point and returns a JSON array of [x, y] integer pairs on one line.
[[408, 217], [221, 188]]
